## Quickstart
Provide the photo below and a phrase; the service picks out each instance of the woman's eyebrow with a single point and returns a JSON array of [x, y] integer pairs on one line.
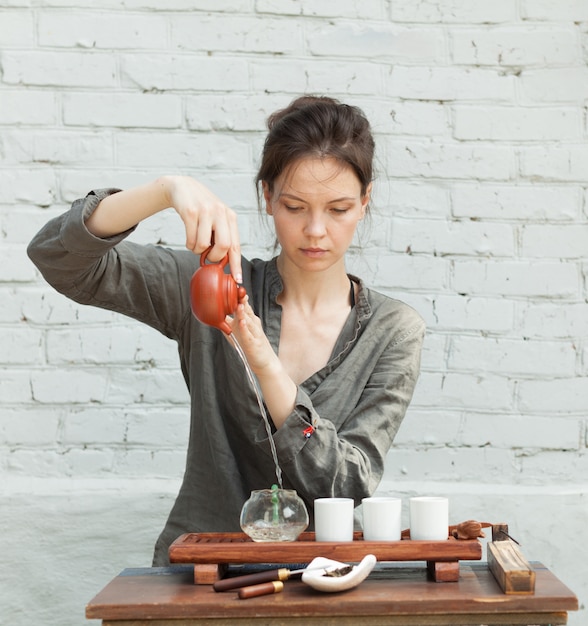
[[342, 199]]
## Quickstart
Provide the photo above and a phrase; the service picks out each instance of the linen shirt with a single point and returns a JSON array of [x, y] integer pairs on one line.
[[355, 403]]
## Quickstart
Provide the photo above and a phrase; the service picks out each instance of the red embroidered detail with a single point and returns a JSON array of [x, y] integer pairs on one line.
[[308, 431]]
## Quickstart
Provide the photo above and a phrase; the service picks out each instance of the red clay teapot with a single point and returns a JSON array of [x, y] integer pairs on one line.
[[214, 294]]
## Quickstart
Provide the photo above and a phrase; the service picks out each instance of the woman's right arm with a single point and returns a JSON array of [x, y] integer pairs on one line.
[[206, 219]]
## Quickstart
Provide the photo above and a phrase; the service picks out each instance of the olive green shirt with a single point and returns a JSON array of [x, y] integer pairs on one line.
[[355, 404]]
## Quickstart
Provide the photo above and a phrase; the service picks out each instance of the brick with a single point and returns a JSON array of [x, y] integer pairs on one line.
[[450, 84], [513, 357], [20, 345], [58, 69], [556, 241], [561, 162], [33, 185], [46, 306], [221, 112], [448, 160], [411, 272], [179, 151], [95, 30], [14, 386], [375, 40], [564, 84], [87, 462], [442, 237], [454, 11], [17, 28], [516, 123], [148, 387], [64, 385], [407, 198], [159, 427], [517, 202], [28, 108], [434, 348], [369, 9], [158, 72], [342, 79], [28, 427], [19, 224], [14, 265], [159, 463], [463, 390], [564, 10], [129, 344], [488, 315], [565, 468], [94, 426], [406, 118], [523, 47], [553, 319], [73, 148], [554, 396], [516, 278], [236, 33], [446, 467], [520, 432], [130, 110], [429, 428], [10, 304]]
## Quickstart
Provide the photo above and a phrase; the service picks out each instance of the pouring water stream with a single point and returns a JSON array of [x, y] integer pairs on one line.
[[264, 415]]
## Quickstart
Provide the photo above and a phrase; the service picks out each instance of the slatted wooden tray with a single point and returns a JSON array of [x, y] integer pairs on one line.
[[212, 552]]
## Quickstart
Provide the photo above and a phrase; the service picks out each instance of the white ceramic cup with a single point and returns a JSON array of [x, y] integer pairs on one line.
[[333, 519], [382, 518], [429, 518]]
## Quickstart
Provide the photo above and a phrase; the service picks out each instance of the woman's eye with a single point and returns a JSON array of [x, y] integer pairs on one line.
[[292, 208], [339, 211]]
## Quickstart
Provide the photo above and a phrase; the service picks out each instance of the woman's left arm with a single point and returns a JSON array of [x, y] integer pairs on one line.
[[345, 456]]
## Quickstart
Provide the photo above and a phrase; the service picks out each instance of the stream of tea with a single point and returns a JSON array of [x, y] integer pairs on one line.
[[264, 415]]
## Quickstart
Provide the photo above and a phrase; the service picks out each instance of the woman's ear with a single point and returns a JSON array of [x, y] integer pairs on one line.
[[267, 196], [366, 200]]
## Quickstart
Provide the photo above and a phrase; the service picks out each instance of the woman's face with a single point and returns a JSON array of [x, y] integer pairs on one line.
[[316, 205]]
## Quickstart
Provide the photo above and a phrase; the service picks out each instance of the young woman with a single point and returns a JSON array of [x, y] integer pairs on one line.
[[336, 362]]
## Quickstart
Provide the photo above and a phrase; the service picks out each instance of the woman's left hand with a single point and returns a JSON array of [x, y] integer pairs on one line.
[[246, 327], [277, 388]]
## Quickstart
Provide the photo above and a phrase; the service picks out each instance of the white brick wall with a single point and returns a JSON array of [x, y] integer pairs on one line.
[[481, 223]]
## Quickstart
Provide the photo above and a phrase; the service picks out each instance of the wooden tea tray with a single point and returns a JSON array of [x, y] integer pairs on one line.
[[212, 552]]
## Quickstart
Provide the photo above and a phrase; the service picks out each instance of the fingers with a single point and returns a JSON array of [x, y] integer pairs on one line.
[[208, 221]]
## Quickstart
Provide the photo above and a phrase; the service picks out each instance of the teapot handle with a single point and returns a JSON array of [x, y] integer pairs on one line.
[[204, 256]]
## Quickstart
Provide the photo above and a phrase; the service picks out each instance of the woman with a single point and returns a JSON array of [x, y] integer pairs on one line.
[[336, 362]]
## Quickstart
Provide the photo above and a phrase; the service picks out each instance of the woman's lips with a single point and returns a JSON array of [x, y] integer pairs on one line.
[[313, 252]]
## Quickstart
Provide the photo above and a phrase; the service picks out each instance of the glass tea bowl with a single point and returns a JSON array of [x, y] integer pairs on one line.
[[274, 515]]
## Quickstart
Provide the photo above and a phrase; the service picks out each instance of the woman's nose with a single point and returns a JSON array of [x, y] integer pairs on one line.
[[315, 226]]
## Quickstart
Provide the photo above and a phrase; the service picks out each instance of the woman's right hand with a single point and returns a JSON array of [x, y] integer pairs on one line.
[[207, 220]]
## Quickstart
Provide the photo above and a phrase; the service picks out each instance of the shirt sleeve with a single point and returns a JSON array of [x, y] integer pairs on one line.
[[146, 283]]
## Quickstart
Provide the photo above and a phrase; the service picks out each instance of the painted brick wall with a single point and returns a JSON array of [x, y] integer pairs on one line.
[[480, 221]]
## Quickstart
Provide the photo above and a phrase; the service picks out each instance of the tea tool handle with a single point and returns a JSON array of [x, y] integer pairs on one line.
[[262, 589], [237, 582]]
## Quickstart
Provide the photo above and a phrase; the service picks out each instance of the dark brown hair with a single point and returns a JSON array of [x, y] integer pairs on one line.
[[313, 126]]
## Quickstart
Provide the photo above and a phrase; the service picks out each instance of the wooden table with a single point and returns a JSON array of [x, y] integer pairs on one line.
[[394, 594]]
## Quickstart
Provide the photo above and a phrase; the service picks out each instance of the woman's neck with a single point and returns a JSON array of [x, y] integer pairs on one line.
[[313, 290]]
